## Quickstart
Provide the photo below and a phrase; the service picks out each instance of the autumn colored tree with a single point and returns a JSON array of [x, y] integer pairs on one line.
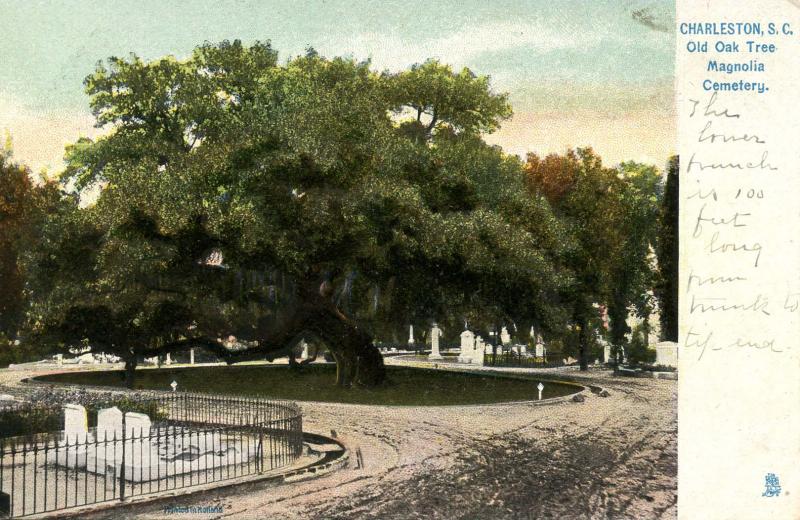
[[610, 215], [16, 202], [24, 207]]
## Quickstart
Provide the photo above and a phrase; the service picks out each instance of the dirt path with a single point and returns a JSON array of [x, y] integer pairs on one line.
[[607, 457]]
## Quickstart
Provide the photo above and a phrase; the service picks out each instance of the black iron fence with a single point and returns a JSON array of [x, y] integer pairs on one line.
[[194, 439], [511, 358]]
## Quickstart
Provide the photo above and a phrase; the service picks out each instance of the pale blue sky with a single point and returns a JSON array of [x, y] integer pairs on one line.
[[579, 73]]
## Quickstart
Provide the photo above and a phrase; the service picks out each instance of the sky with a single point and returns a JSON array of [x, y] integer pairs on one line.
[[578, 73]]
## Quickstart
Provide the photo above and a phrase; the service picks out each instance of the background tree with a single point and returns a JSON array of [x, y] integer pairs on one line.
[[634, 275], [667, 254], [609, 216], [279, 201], [23, 207], [16, 201]]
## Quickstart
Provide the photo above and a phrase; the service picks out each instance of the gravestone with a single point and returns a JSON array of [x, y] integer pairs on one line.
[[505, 337], [539, 350], [480, 350], [137, 424], [191, 356], [76, 424], [168, 360], [109, 423], [304, 353], [667, 353], [467, 346], [436, 332]]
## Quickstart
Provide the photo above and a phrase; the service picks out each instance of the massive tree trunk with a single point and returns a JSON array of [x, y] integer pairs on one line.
[[358, 361]]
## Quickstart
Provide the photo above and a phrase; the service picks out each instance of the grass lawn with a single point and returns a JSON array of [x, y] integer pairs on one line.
[[405, 386]]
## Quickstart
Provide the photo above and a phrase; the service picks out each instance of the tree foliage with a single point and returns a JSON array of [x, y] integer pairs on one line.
[[242, 197], [610, 215], [667, 253]]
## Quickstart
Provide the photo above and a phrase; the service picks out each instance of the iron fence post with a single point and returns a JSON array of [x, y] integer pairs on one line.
[[122, 469]]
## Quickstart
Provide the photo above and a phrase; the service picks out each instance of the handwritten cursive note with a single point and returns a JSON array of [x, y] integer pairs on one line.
[[727, 206]]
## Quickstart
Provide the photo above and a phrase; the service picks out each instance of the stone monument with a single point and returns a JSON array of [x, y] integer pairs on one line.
[[479, 352], [539, 349], [436, 333], [667, 353], [467, 347]]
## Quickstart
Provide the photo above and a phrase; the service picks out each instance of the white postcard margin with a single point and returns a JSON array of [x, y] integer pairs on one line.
[[739, 344]]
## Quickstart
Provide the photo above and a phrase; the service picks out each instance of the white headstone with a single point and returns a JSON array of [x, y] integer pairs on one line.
[[480, 350], [109, 423], [174, 385], [467, 346], [304, 353], [168, 360], [59, 359], [667, 353], [191, 356], [436, 332], [137, 424], [505, 337], [75, 423], [540, 387], [607, 352], [539, 348], [410, 334]]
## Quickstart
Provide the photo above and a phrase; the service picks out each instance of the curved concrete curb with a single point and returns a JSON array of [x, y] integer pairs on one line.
[[33, 382]]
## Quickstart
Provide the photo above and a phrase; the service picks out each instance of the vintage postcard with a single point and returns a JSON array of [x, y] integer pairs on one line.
[[389, 260]]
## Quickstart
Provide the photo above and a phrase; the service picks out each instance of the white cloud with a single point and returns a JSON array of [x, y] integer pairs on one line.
[[390, 50]]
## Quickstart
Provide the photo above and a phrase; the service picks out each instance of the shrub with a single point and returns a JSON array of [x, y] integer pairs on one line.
[[637, 349]]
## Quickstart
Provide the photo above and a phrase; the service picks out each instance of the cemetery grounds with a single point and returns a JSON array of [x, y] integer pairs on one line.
[[605, 457]]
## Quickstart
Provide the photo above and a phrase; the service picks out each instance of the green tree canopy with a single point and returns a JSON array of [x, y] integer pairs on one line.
[[610, 215], [239, 196]]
